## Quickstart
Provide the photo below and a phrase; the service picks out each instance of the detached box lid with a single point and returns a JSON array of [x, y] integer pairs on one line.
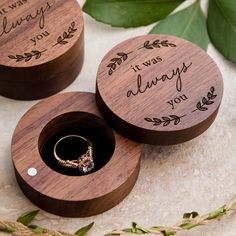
[[159, 89], [41, 46]]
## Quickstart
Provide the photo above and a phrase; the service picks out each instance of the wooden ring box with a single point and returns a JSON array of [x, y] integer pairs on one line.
[[41, 45], [63, 191], [159, 89], [154, 89]]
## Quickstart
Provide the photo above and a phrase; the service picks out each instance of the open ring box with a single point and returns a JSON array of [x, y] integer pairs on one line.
[[153, 89]]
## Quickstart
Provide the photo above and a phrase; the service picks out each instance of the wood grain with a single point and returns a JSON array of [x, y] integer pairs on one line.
[[41, 45], [159, 89], [72, 196]]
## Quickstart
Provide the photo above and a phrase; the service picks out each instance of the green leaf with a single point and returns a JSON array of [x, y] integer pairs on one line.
[[136, 229], [8, 230], [157, 228], [189, 226], [221, 24], [163, 230], [133, 231], [129, 13], [168, 233], [217, 213], [83, 231], [27, 217], [37, 229], [189, 24]]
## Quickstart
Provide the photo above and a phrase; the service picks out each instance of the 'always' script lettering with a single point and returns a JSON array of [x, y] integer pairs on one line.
[[7, 27], [175, 74]]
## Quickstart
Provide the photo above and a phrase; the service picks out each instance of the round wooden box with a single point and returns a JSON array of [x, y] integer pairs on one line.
[[159, 89], [63, 191], [41, 46]]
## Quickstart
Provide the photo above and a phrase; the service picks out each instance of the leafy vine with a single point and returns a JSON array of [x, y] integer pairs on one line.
[[27, 56], [114, 62], [165, 120], [66, 35], [24, 226], [206, 101]]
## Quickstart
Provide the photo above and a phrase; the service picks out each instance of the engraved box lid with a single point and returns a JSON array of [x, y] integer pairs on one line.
[[159, 89], [41, 47]]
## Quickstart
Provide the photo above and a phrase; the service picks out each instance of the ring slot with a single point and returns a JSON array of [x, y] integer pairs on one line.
[[92, 128], [83, 163]]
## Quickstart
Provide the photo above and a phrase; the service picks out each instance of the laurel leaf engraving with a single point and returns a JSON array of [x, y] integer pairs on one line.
[[166, 123], [147, 45], [157, 121], [62, 40], [165, 120], [116, 61], [110, 72], [202, 105], [149, 119], [65, 35], [27, 56], [158, 44], [204, 100], [11, 57]]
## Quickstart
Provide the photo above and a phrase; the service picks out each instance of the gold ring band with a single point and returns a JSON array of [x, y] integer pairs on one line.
[[84, 163]]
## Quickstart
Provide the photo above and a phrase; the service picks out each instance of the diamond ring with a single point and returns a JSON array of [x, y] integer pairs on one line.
[[84, 163]]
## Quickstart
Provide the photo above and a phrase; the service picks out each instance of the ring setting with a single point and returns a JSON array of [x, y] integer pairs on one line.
[[85, 162]]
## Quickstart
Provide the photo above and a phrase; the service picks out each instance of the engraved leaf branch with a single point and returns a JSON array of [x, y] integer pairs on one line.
[[165, 121], [67, 35], [114, 62], [206, 101], [147, 45], [27, 56], [157, 44]]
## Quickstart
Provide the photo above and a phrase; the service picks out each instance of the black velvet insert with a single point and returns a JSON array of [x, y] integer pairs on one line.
[[87, 125]]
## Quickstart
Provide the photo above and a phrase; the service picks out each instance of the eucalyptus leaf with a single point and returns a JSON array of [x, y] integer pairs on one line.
[[27, 217], [8, 230], [136, 229], [158, 228], [133, 231], [217, 213], [163, 230], [189, 226], [83, 231], [130, 13], [189, 23], [221, 24], [37, 229], [168, 233]]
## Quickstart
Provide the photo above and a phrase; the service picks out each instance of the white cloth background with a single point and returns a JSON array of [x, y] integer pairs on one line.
[[198, 175]]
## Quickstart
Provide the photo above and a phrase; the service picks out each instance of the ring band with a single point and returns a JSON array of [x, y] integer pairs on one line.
[[84, 163]]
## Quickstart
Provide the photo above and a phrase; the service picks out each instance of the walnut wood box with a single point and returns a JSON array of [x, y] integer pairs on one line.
[[63, 191], [159, 89], [41, 46]]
